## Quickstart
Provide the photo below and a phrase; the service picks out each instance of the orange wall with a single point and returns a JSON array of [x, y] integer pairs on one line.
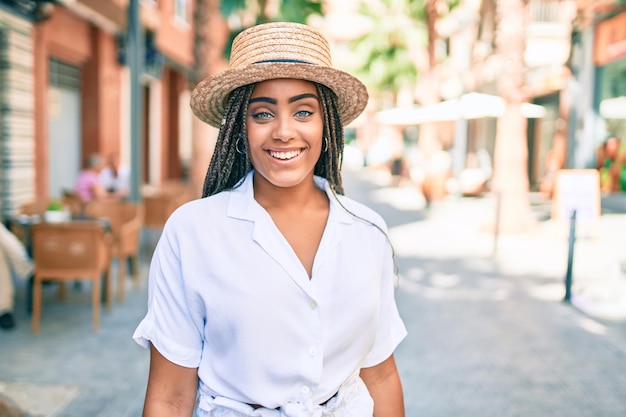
[[175, 39], [73, 40], [101, 97], [66, 37], [610, 40], [173, 84]]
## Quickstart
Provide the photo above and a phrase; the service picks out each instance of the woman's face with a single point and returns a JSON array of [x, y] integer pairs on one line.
[[612, 147], [285, 128]]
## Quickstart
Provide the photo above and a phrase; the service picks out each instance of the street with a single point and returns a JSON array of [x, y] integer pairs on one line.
[[489, 334]]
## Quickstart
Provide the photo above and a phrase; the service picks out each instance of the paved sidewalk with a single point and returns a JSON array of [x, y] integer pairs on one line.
[[489, 334]]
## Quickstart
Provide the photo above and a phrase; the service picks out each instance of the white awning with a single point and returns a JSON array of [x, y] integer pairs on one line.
[[468, 106], [613, 108]]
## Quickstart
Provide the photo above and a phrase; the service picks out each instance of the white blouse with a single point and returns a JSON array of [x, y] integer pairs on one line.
[[228, 295]]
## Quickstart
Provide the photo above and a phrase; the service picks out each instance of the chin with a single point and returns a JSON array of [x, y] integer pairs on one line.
[[286, 180]]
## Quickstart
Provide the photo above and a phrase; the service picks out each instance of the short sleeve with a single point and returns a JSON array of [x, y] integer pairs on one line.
[[391, 329], [170, 325]]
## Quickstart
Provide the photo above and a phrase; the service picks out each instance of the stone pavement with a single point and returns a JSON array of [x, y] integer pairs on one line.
[[489, 334]]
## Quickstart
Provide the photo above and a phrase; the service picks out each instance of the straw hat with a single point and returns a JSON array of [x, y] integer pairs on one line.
[[278, 50]]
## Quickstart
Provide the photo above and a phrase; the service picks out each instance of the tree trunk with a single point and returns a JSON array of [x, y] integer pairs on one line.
[[211, 35], [429, 87], [510, 180], [429, 143]]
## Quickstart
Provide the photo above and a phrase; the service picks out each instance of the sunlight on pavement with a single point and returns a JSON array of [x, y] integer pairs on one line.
[[452, 286], [547, 292], [51, 399], [592, 326], [445, 280], [400, 198]]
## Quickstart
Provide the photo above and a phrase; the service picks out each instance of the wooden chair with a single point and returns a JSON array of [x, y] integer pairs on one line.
[[32, 208], [72, 251], [126, 220], [73, 202], [160, 202]]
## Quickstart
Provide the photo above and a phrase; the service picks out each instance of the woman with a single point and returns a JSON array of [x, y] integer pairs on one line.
[[609, 164], [274, 296], [87, 186], [14, 260], [115, 176]]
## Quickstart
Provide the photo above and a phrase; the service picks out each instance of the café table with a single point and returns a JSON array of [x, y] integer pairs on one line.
[[21, 226]]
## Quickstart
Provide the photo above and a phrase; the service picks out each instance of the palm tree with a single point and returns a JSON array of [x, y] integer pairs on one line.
[[510, 180], [384, 57], [399, 53], [430, 87]]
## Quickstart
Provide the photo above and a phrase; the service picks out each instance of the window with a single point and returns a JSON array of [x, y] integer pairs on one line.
[[182, 10]]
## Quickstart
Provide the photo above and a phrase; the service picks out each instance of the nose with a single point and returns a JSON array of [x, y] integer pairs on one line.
[[285, 130]]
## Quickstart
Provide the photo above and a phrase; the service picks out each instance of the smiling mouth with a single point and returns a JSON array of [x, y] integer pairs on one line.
[[284, 156]]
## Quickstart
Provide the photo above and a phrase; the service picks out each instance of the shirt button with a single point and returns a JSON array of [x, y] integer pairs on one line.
[[312, 351], [313, 305], [305, 389]]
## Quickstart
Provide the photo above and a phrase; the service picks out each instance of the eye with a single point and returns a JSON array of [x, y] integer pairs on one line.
[[262, 115], [303, 113]]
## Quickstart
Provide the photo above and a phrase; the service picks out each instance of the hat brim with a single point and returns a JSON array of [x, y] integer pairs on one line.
[[208, 98]]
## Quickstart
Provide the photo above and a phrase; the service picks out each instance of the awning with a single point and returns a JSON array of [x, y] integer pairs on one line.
[[468, 106], [613, 108]]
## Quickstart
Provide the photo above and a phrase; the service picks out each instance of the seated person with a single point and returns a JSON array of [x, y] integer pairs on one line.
[[88, 186], [115, 176], [14, 260]]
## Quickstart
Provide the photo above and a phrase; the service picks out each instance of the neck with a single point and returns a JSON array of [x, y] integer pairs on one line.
[[296, 197]]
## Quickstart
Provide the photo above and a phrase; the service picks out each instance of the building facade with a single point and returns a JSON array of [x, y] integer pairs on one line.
[[17, 151], [65, 92]]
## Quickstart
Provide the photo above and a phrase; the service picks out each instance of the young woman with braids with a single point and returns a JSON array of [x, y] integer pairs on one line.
[[273, 296]]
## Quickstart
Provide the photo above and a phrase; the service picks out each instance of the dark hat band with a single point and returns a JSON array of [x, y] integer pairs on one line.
[[289, 61]]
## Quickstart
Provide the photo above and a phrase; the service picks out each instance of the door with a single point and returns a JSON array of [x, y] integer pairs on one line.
[[64, 127]]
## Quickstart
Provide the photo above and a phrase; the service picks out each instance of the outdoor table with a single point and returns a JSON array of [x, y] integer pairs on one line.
[[21, 226]]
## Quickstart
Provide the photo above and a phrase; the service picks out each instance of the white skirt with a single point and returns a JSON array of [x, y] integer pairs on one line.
[[352, 400]]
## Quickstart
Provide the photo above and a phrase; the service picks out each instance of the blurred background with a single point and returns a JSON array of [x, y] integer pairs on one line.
[[467, 96], [489, 123]]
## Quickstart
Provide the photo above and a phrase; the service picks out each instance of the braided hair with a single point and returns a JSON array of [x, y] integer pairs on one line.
[[230, 161]]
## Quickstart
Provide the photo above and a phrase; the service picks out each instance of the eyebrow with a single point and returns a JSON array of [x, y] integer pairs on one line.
[[291, 99], [302, 96], [263, 100]]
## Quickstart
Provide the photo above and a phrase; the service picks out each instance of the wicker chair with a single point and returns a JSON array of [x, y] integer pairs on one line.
[[73, 202], [72, 251], [126, 220], [32, 208]]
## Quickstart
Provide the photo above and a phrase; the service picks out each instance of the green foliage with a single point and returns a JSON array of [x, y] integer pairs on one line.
[[289, 11], [230, 7], [299, 10], [384, 55], [55, 205]]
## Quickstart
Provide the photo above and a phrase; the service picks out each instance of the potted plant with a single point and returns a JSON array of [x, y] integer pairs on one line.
[[56, 212]]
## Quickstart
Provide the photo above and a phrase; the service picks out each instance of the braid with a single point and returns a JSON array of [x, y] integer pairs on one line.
[[230, 161], [329, 164]]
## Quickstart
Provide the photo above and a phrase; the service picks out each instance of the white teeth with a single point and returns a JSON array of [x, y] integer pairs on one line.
[[285, 155]]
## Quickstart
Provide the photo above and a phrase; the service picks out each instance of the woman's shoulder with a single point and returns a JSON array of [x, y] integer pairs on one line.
[[205, 207], [362, 211]]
